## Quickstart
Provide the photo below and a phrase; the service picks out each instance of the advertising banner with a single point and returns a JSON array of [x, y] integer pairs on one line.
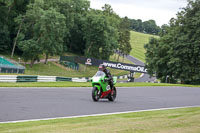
[[114, 65]]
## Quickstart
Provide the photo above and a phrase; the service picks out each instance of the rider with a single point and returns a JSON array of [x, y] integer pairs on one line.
[[108, 74]]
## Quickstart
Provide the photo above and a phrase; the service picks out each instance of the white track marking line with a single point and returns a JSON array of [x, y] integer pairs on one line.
[[41, 88], [104, 114]]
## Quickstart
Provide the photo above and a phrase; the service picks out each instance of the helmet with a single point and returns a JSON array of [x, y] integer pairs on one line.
[[102, 67]]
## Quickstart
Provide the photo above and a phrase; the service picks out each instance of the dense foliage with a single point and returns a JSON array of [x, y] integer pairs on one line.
[[149, 26], [176, 55], [124, 38], [9, 10], [31, 28]]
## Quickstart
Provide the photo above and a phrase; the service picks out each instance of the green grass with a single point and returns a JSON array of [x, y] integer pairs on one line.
[[141, 84], [55, 69], [46, 84], [137, 75], [121, 59], [88, 84], [186, 120], [138, 40]]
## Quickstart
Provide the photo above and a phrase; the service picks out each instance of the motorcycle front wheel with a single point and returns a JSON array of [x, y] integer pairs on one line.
[[95, 94]]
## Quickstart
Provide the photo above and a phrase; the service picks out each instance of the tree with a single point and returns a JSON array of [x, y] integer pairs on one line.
[[157, 58], [15, 8], [107, 10], [177, 53], [45, 28], [151, 27], [75, 12], [4, 31], [4, 37], [31, 50], [124, 37], [146, 26], [28, 38], [100, 36], [51, 32], [65, 7], [137, 25], [187, 48], [76, 42]]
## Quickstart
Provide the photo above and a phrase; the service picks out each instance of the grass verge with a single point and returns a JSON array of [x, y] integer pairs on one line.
[[166, 121], [88, 84]]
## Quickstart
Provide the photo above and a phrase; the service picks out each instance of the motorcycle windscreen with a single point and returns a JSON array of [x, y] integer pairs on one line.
[[97, 77], [99, 74]]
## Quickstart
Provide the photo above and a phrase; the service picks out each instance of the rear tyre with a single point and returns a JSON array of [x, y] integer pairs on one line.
[[113, 94], [95, 94]]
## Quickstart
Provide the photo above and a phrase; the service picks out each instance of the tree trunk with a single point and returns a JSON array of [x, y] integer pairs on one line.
[[32, 62], [115, 55], [123, 58], [14, 45], [89, 48], [47, 56], [118, 57], [10, 8]]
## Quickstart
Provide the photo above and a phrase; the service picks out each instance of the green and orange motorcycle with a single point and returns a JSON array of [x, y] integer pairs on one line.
[[101, 88]]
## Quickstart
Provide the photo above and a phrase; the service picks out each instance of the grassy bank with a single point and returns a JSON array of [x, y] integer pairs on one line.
[[166, 121], [138, 40], [55, 69], [88, 84]]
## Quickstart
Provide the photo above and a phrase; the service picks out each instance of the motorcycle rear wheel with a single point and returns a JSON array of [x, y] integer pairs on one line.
[[113, 94], [95, 94]]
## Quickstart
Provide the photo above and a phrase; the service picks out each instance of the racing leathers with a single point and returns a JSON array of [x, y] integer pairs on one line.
[[109, 76]]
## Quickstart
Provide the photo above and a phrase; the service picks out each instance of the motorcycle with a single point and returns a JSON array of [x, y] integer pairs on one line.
[[101, 88]]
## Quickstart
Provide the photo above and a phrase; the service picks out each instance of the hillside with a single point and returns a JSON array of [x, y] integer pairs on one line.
[[138, 40], [55, 69]]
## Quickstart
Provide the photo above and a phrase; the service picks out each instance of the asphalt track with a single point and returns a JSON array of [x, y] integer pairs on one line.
[[145, 77], [40, 103]]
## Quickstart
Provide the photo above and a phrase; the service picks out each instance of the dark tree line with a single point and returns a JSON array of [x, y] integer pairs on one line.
[[9, 10], [149, 27], [31, 28], [176, 55]]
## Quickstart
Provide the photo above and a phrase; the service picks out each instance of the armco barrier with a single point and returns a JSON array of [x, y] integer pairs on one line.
[[15, 78], [46, 79], [123, 77], [27, 78], [63, 79], [79, 80], [8, 78]]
